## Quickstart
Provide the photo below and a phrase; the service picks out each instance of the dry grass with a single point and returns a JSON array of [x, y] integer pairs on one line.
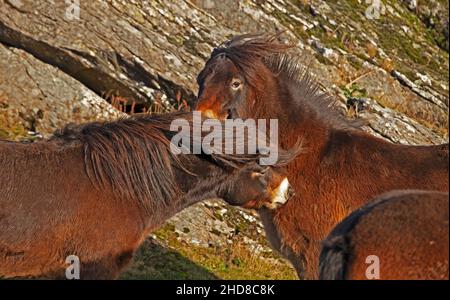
[[10, 126], [236, 261], [180, 260], [130, 106]]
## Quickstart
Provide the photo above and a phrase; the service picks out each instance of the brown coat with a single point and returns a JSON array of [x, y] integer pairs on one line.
[[342, 167], [407, 231], [96, 191]]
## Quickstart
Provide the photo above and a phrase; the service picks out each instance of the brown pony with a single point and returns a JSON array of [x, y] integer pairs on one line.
[[405, 233], [96, 191], [342, 167]]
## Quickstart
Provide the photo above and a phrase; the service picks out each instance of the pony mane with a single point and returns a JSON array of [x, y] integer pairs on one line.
[[133, 156], [252, 52]]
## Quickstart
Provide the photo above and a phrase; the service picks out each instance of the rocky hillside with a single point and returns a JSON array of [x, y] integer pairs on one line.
[[385, 63]]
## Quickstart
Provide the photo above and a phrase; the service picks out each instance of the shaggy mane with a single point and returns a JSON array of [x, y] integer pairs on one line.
[[252, 52]]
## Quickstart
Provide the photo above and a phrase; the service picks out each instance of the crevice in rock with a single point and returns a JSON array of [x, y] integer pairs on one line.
[[106, 74]]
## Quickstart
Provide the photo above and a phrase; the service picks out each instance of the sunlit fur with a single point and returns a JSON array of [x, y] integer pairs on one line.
[[406, 230], [342, 167], [96, 190]]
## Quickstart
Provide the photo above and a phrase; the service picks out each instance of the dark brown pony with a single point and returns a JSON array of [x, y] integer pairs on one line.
[[399, 235], [97, 190], [342, 167]]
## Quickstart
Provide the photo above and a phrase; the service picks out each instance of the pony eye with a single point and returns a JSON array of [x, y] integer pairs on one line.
[[236, 84]]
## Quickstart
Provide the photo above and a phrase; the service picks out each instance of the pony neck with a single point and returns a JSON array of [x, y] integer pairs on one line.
[[295, 119]]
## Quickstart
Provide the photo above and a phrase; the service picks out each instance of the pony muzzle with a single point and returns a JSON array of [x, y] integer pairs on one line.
[[280, 195], [210, 114]]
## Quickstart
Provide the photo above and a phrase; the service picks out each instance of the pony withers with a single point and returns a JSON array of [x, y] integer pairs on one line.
[[342, 168], [399, 235], [96, 190]]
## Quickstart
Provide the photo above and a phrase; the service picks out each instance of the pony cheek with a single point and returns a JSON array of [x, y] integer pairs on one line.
[[241, 110], [248, 101]]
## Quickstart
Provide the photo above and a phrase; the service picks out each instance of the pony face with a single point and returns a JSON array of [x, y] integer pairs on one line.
[[223, 90], [237, 75], [256, 187]]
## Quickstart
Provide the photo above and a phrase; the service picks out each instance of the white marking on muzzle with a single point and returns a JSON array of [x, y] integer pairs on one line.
[[280, 195]]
